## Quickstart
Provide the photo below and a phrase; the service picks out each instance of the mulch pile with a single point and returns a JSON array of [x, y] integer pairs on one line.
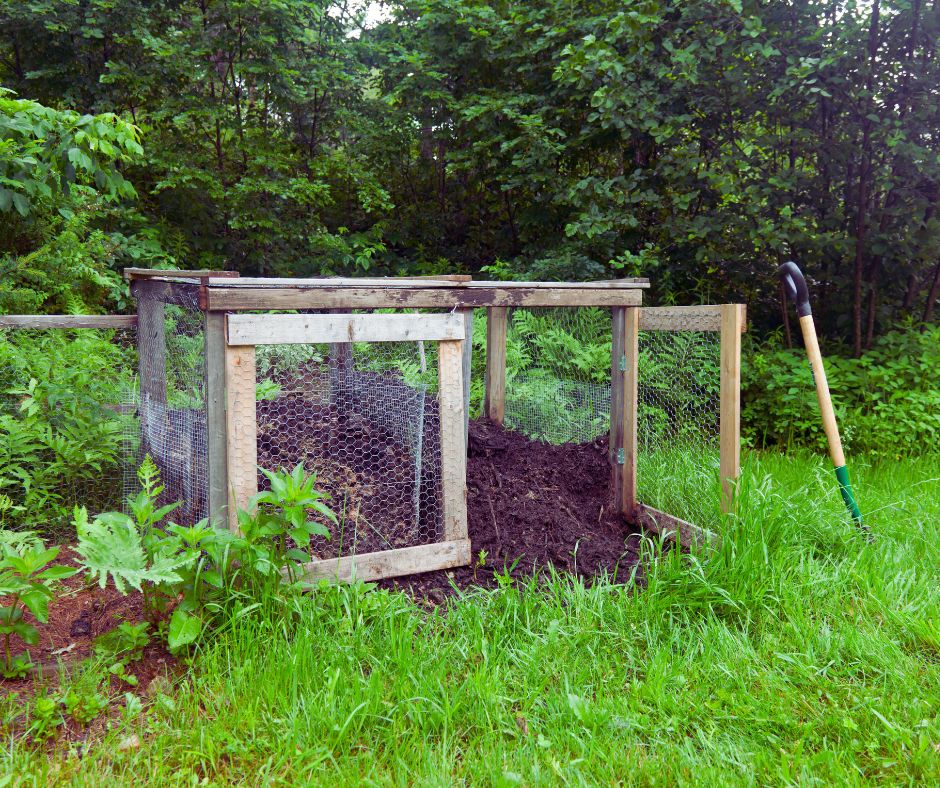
[[532, 504]]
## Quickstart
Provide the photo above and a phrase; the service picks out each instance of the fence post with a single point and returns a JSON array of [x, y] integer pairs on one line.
[[216, 429], [453, 443], [466, 362], [494, 405], [732, 323], [624, 363], [241, 429]]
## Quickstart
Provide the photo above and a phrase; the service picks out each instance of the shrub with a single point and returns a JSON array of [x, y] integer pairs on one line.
[[887, 401]]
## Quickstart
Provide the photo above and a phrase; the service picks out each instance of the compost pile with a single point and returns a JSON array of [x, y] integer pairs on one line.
[[532, 504]]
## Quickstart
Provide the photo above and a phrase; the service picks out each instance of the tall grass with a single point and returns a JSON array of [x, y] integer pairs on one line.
[[796, 653]]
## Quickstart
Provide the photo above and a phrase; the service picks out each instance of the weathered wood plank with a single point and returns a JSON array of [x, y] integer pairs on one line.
[[238, 299], [690, 535], [631, 406], [467, 363], [368, 567], [732, 319], [342, 328], [68, 321], [497, 322], [681, 318], [453, 444], [180, 293], [151, 350], [242, 429], [432, 282], [615, 445], [151, 273], [216, 422]]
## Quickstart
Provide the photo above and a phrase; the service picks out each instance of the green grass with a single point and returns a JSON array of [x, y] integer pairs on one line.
[[798, 653]]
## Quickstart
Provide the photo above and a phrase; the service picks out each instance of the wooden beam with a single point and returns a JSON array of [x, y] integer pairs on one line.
[[421, 282], [216, 422], [467, 364], [180, 293], [689, 535], [151, 273], [682, 318], [151, 349], [68, 321], [369, 567], [631, 407], [342, 328], [494, 404], [732, 318], [615, 445], [242, 429], [273, 298], [453, 444]]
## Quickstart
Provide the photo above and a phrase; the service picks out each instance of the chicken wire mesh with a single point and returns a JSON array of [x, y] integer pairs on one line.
[[558, 390], [64, 422], [365, 419], [171, 402]]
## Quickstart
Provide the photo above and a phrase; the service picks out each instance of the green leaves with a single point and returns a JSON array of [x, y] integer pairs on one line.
[[111, 546]]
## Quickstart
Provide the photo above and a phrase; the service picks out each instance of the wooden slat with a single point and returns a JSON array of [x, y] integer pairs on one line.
[[151, 350], [151, 273], [343, 328], [238, 299], [216, 423], [242, 429], [368, 567], [494, 404], [467, 364], [68, 321], [682, 318], [422, 282], [453, 445], [689, 535], [181, 293], [732, 318], [631, 406], [617, 399]]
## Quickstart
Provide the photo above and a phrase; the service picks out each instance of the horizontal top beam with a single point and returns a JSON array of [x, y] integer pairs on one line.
[[172, 274], [424, 282], [233, 299], [68, 321], [683, 318], [315, 329]]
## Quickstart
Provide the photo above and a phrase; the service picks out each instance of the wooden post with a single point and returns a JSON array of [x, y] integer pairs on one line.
[[494, 404], [242, 429], [615, 447], [732, 322], [216, 429], [453, 443], [151, 346], [631, 407], [466, 363]]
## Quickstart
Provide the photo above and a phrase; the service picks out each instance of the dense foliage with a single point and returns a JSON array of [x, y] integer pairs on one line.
[[699, 143]]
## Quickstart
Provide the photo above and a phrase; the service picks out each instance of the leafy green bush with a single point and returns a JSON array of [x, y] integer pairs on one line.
[[60, 427], [887, 401]]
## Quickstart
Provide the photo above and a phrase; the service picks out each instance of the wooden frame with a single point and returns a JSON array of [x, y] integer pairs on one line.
[[68, 321], [243, 332], [494, 399], [732, 324], [624, 407], [342, 328]]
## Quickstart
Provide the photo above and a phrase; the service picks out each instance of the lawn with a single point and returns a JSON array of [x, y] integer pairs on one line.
[[797, 653]]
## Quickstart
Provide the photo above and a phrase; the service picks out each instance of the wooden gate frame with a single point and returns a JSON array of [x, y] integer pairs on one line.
[[243, 332]]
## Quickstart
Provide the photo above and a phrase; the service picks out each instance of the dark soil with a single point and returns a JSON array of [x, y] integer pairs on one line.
[[530, 505], [79, 613]]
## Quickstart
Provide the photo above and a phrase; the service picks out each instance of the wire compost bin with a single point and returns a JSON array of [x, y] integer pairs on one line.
[[366, 382]]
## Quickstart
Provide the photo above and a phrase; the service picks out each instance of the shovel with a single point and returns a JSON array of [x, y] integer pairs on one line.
[[795, 286]]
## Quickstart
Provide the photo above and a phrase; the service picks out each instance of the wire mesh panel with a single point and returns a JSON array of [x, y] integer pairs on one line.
[[171, 399], [678, 429], [63, 422], [558, 373], [365, 418]]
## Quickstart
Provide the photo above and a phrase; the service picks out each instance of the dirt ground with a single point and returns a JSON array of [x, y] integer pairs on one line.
[[532, 504]]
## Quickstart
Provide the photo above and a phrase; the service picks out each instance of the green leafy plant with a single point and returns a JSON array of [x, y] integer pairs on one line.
[[26, 584], [83, 704], [45, 716]]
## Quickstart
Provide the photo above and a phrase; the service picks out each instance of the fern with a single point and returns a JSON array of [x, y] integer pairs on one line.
[[112, 546]]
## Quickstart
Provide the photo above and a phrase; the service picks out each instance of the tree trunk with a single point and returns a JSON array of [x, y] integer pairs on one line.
[[932, 296]]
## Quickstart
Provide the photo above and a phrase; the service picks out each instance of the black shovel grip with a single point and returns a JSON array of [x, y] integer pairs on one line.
[[795, 285]]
